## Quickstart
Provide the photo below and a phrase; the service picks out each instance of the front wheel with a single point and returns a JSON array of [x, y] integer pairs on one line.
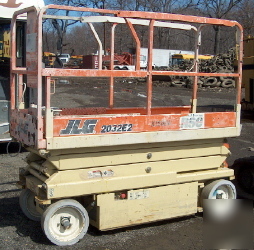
[[65, 222]]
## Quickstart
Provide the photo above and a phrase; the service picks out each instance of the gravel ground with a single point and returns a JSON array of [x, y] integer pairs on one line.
[[18, 232]]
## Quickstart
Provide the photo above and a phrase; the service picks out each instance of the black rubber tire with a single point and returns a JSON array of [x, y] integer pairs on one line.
[[178, 83], [28, 206], [228, 83], [116, 68], [54, 228], [200, 83], [210, 82], [222, 78], [218, 84]]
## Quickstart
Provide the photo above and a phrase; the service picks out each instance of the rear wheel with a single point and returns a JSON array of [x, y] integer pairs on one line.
[[65, 222], [28, 205], [219, 189], [218, 200]]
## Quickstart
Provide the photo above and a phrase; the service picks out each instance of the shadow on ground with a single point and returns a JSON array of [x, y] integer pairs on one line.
[[11, 148]]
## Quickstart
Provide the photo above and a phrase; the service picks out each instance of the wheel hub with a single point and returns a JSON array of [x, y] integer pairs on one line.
[[220, 194], [65, 222]]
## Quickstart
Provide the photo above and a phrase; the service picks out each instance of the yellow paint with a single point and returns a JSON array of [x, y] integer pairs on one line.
[[5, 45]]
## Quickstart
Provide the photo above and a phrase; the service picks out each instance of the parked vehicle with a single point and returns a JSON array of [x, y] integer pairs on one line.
[[163, 57], [117, 166], [64, 58], [49, 59], [177, 59]]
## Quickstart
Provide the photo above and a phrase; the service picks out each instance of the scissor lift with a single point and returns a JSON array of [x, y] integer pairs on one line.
[[116, 167]]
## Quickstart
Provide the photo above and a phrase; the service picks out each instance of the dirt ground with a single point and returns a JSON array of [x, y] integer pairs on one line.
[[18, 232]]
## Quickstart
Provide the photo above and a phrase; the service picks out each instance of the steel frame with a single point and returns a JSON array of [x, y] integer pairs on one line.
[[43, 131]]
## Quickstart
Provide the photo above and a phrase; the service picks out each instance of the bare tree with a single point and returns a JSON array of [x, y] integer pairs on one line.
[[245, 15], [218, 9], [61, 26], [164, 38]]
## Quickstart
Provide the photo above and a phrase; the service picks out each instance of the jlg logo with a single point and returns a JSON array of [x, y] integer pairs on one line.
[[72, 127]]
